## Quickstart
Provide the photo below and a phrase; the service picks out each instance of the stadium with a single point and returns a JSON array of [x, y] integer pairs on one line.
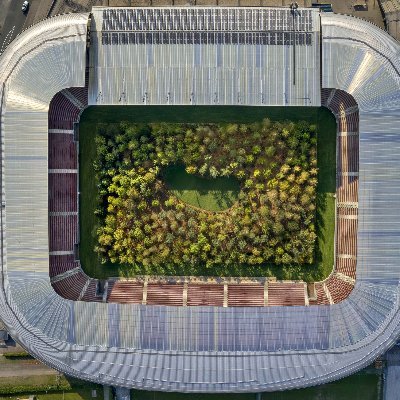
[[189, 336]]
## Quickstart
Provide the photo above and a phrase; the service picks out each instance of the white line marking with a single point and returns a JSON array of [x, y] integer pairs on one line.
[[7, 42]]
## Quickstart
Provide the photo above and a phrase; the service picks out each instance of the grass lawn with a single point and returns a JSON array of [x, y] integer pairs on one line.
[[211, 114], [209, 194], [43, 386]]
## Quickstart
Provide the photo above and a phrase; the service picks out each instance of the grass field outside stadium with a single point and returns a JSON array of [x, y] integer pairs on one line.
[[326, 136]]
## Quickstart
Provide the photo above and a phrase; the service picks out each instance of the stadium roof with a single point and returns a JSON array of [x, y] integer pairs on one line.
[[204, 56], [199, 349]]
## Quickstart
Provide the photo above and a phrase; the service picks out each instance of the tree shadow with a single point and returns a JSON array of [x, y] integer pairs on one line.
[[225, 199], [321, 204]]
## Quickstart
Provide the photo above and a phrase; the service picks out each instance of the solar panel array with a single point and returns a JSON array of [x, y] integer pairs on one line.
[[224, 38], [204, 19], [206, 26], [203, 349]]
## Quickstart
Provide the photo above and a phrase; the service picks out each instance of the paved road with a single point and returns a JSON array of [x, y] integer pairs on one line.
[[12, 20]]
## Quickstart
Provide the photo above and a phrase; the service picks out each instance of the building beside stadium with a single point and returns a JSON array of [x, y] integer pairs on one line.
[[199, 56]]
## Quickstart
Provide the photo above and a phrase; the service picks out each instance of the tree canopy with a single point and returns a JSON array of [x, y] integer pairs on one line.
[[142, 222]]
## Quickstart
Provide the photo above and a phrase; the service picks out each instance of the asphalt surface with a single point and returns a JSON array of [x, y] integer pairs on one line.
[[12, 21]]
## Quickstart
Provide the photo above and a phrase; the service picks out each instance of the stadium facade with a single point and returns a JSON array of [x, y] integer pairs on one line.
[[231, 56]]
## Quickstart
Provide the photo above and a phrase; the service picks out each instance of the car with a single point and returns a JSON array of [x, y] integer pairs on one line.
[[25, 6]]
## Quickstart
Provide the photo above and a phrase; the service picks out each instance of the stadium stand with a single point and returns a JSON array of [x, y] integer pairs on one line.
[[63, 112], [68, 279], [338, 288], [286, 294], [63, 227], [62, 233], [125, 292], [321, 295], [89, 293], [203, 348], [205, 295], [165, 294], [63, 193], [62, 148], [345, 109], [246, 295], [60, 268], [71, 286]]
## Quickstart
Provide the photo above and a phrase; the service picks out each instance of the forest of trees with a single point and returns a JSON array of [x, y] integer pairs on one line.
[[141, 222]]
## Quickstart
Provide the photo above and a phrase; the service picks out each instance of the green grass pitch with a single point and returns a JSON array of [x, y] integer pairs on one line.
[[326, 148]]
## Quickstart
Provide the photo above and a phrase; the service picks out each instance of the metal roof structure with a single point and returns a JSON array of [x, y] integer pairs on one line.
[[203, 56], [199, 349]]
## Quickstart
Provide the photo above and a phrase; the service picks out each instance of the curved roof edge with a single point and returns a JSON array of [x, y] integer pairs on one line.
[[356, 331]]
